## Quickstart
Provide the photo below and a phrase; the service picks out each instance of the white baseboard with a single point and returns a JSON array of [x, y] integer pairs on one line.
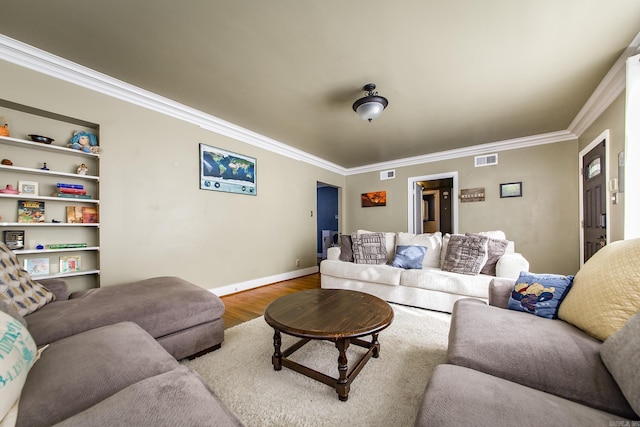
[[256, 283]]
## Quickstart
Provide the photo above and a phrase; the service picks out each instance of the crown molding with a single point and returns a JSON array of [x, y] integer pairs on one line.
[[27, 56], [611, 86], [509, 144]]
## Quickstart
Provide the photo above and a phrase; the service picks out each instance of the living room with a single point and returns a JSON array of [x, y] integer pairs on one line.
[[156, 221]]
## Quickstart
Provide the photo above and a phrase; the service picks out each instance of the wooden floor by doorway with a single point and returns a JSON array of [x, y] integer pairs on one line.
[[247, 305]]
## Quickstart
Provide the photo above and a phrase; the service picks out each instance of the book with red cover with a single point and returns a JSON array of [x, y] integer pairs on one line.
[[72, 191], [89, 215]]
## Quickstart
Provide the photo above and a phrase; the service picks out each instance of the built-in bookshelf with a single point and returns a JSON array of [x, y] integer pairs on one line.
[[40, 169]]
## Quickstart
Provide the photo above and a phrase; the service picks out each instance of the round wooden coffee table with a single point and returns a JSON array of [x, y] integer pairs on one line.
[[336, 315]]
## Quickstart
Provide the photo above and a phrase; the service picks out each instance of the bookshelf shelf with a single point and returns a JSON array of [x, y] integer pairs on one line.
[[27, 157]]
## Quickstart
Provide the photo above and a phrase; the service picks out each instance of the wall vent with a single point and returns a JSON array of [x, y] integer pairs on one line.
[[486, 160], [390, 174]]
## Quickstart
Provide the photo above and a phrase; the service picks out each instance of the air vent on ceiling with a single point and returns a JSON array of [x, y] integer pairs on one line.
[[390, 174], [486, 160]]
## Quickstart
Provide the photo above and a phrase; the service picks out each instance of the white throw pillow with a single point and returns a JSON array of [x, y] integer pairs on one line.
[[432, 241], [18, 353]]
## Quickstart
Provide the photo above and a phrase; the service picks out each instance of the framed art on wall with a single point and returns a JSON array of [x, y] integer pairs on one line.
[[511, 189], [375, 198], [222, 170]]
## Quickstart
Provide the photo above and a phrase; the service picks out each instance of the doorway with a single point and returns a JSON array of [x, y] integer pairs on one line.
[[326, 218], [432, 203], [594, 206]]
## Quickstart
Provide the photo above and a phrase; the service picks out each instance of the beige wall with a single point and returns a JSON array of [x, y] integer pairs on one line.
[[155, 220], [543, 223], [612, 119]]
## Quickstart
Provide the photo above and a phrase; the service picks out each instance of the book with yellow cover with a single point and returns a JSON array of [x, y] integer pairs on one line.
[[30, 211], [74, 214]]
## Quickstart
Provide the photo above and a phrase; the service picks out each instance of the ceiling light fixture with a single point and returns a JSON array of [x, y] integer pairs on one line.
[[370, 106]]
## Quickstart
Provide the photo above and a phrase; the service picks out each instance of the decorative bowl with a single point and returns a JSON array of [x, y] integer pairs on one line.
[[40, 138]]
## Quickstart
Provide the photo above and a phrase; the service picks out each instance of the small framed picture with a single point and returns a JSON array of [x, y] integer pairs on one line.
[[28, 188], [511, 189]]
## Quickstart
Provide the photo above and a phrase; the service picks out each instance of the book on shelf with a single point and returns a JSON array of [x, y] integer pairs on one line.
[[72, 191], [14, 239], [69, 263], [89, 215], [30, 211], [63, 185], [67, 245], [37, 266], [71, 196], [74, 214]]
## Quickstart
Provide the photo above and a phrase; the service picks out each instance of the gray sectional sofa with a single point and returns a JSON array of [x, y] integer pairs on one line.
[[107, 356], [507, 367]]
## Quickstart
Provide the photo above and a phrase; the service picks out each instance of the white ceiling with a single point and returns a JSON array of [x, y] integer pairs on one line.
[[457, 73]]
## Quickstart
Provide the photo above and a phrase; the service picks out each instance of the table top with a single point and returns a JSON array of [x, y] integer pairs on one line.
[[329, 314]]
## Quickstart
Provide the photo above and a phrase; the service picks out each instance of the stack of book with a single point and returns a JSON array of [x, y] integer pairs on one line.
[[71, 191]]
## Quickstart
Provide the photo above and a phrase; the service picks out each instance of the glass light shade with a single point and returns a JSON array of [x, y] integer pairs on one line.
[[370, 110]]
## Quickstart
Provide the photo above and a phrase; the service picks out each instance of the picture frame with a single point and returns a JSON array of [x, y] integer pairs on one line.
[[511, 189], [28, 188], [226, 171], [374, 198]]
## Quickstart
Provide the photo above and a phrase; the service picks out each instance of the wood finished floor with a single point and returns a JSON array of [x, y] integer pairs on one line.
[[247, 305]]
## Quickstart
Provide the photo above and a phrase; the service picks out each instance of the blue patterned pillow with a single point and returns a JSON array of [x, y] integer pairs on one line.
[[539, 294], [409, 257]]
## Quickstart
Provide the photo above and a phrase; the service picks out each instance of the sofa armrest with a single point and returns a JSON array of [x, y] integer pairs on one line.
[[510, 265], [59, 287], [333, 253], [499, 292]]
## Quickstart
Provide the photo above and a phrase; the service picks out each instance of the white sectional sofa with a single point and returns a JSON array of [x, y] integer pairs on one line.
[[428, 287]]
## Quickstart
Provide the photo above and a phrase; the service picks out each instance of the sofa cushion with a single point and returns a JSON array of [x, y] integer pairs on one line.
[[545, 354], [466, 254], [453, 283], [457, 396], [16, 286], [606, 290], [18, 353], [383, 274], [77, 372], [389, 241], [409, 257], [346, 251], [539, 294], [176, 305], [621, 354], [432, 241], [176, 398], [369, 248]]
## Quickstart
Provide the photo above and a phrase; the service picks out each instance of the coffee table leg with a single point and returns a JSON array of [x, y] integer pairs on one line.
[[276, 359], [342, 385], [376, 345]]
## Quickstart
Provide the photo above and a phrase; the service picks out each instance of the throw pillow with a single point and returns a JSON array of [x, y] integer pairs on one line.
[[495, 249], [389, 241], [539, 294], [18, 352], [16, 286], [466, 254], [606, 290], [346, 252], [409, 257], [369, 248], [620, 355], [433, 243]]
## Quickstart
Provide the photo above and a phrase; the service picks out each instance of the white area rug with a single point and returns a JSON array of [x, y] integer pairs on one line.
[[387, 392]]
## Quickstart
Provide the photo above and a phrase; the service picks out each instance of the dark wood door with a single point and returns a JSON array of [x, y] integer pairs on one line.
[[594, 198]]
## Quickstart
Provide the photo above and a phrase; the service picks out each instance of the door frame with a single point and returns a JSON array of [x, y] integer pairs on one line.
[[606, 137], [411, 181]]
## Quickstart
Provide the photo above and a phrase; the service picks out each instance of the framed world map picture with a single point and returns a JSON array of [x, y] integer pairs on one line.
[[222, 170]]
